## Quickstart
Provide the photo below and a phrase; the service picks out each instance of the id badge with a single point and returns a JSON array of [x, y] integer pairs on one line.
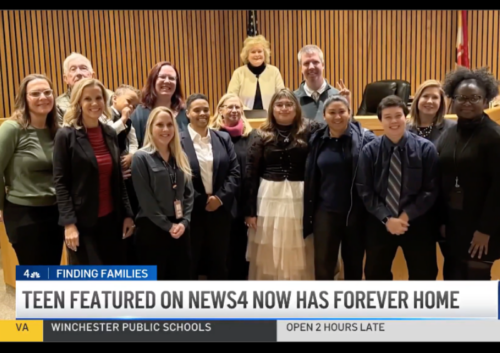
[[456, 198], [178, 209]]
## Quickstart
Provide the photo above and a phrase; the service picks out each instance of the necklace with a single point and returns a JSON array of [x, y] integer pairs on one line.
[[425, 131], [287, 137]]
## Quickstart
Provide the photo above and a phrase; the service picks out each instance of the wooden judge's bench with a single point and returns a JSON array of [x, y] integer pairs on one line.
[[9, 259]]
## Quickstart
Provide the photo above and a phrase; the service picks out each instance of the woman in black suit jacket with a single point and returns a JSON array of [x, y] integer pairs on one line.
[[427, 119], [230, 118], [91, 194], [216, 176], [162, 89]]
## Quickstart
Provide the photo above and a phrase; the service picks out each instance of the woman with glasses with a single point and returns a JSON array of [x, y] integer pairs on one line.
[[231, 119], [162, 89], [274, 187], [470, 176], [27, 194]]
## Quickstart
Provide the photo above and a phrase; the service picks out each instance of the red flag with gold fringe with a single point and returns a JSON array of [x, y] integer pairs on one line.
[[462, 40]]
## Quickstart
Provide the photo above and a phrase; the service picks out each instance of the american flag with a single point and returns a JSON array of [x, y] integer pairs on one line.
[[252, 23]]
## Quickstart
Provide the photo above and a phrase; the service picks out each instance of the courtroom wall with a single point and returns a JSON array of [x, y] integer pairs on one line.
[[360, 46]]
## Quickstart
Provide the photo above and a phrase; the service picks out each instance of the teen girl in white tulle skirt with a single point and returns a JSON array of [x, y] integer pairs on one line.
[[274, 185]]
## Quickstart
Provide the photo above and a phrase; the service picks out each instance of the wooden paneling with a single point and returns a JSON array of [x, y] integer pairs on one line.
[[365, 46], [360, 46], [122, 46]]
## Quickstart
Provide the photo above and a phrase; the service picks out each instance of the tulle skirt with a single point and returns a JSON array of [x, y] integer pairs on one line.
[[277, 249]]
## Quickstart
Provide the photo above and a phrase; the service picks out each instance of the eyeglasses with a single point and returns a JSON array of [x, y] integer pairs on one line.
[[287, 105], [169, 78], [37, 94], [232, 107], [473, 99]]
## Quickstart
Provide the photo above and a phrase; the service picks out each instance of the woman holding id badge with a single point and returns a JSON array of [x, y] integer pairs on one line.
[[469, 156], [162, 180]]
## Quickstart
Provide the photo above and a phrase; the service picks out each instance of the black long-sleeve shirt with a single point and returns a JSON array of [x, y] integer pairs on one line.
[[420, 173], [477, 167], [276, 161]]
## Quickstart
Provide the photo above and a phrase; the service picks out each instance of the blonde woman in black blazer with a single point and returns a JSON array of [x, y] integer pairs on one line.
[[91, 194]]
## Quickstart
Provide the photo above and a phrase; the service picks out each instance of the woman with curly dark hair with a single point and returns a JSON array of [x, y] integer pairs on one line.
[[470, 177]]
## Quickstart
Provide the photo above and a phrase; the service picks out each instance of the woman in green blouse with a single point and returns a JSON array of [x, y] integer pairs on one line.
[[27, 195]]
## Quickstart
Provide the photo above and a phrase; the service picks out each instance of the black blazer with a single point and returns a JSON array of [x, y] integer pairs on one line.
[[76, 177], [436, 132], [226, 170]]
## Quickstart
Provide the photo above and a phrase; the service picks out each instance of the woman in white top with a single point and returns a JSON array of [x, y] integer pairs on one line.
[[256, 81]]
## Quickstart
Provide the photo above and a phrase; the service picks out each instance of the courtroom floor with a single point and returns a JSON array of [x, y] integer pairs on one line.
[[7, 298]]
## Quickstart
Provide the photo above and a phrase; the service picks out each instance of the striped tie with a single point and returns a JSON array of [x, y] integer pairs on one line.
[[394, 184]]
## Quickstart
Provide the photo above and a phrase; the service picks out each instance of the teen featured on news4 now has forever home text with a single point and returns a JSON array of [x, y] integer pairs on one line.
[[127, 304]]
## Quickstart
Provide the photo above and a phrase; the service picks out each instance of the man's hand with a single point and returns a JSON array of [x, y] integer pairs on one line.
[[404, 217], [396, 226]]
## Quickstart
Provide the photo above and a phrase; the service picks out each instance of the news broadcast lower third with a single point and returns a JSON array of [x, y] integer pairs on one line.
[[128, 304]]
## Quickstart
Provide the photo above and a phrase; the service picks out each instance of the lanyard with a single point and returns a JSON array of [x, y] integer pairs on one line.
[[172, 172], [455, 154]]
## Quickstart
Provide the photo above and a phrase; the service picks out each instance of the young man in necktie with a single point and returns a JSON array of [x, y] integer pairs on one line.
[[398, 183]]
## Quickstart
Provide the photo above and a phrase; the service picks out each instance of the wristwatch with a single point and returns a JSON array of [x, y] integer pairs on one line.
[[384, 221]]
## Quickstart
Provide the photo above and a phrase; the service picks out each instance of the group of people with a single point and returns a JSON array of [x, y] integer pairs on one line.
[[147, 177]]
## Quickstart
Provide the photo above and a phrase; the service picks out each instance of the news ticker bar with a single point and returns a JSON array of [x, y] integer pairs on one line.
[[250, 331]]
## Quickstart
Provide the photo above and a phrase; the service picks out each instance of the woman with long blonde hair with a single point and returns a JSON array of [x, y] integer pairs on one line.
[[230, 117], [162, 180], [91, 194], [274, 187]]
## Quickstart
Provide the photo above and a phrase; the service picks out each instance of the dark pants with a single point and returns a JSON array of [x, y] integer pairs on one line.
[[330, 231], [132, 197], [34, 233], [130, 251], [100, 244], [238, 265], [210, 236], [154, 246], [458, 264], [467, 270], [418, 244]]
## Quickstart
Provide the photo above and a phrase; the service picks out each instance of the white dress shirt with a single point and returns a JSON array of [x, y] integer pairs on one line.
[[203, 149], [310, 92]]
